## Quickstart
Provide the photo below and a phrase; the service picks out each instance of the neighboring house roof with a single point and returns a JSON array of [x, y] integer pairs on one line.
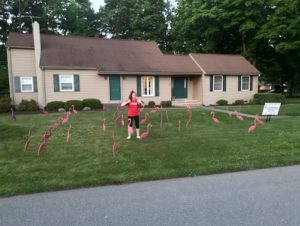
[[224, 64], [126, 56]]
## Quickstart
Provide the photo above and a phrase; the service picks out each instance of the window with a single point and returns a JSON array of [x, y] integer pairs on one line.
[[148, 86], [66, 83], [218, 83], [245, 82], [27, 85]]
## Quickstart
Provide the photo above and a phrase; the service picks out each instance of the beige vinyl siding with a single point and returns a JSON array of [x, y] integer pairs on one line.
[[92, 85], [190, 88], [232, 94], [23, 65], [129, 84], [197, 83]]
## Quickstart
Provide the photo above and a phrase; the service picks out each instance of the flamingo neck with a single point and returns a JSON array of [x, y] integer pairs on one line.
[[148, 128], [213, 114]]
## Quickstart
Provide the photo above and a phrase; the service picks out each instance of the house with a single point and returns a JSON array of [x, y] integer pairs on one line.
[[53, 67]]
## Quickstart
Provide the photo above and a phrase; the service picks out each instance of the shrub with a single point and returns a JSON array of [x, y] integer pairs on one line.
[[222, 102], [26, 105], [92, 103], [169, 103], [151, 103], [262, 98], [5, 99], [163, 103], [5, 108], [253, 101], [55, 105], [77, 103], [239, 102]]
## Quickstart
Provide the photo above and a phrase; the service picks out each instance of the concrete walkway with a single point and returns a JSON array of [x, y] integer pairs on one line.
[[268, 197]]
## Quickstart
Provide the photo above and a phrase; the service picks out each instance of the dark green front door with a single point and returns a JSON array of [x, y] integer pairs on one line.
[[115, 88], [179, 88]]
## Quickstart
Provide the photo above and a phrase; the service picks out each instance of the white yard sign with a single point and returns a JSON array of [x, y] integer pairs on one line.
[[271, 108]]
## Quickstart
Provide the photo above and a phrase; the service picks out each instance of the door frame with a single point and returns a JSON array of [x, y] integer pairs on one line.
[[109, 77]]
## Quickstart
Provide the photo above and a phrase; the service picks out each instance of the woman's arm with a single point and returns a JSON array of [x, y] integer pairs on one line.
[[141, 103], [126, 102]]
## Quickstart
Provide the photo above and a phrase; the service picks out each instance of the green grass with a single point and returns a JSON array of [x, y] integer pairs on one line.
[[292, 101], [87, 160], [253, 110]]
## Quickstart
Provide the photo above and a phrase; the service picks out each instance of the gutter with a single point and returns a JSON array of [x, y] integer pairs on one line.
[[145, 73]]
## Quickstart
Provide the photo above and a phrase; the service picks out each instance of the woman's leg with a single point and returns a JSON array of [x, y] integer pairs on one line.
[[137, 125], [129, 135]]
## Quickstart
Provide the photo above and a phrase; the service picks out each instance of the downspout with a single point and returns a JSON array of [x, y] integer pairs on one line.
[[10, 76], [44, 83]]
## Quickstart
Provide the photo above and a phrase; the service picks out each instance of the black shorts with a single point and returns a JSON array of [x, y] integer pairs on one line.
[[136, 120]]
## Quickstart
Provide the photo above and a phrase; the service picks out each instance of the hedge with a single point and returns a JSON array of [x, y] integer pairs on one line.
[[5, 99], [239, 102], [163, 103], [222, 102], [5, 108], [151, 103], [28, 105], [92, 103], [55, 105], [169, 103], [77, 104], [263, 98]]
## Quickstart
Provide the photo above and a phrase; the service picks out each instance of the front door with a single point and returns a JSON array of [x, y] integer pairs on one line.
[[179, 88], [115, 88]]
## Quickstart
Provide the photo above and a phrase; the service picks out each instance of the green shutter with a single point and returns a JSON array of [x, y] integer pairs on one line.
[[224, 83], [251, 82], [35, 87], [17, 84], [76, 83], [211, 83], [156, 85], [138, 86], [240, 81], [56, 83]]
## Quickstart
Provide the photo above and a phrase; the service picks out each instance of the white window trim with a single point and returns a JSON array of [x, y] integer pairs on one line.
[[214, 83], [142, 86], [242, 83], [60, 89], [31, 85]]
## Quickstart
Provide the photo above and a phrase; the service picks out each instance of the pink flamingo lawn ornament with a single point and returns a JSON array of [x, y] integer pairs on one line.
[[119, 106], [74, 109], [228, 112], [130, 130], [68, 135], [259, 121], [144, 135], [251, 128], [187, 106], [118, 118], [179, 126], [116, 112], [41, 147], [189, 112], [239, 117], [215, 119], [12, 113], [122, 121], [188, 122], [66, 118], [142, 109], [69, 112], [46, 135], [167, 115], [153, 111], [145, 119], [55, 125], [27, 142], [45, 112], [114, 145], [103, 126]]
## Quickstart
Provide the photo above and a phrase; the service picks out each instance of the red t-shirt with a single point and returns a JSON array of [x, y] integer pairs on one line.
[[133, 108]]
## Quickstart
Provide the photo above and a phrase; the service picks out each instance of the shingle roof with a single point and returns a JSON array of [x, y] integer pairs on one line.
[[224, 64]]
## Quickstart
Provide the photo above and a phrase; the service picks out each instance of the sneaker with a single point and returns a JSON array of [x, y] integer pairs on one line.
[[129, 137], [138, 137]]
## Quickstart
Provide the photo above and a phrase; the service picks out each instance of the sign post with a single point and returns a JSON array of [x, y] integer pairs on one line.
[[271, 109]]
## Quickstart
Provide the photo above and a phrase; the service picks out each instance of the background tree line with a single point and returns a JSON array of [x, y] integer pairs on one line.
[[266, 32]]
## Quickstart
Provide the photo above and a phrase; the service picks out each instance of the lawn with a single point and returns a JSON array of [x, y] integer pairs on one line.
[[292, 100], [292, 109], [87, 159]]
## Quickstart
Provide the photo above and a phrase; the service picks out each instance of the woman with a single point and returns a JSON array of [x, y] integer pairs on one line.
[[133, 112]]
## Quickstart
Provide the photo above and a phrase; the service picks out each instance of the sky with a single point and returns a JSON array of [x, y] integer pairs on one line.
[[97, 3]]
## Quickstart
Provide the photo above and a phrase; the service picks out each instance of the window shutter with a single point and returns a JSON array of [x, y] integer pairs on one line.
[[138, 86], [251, 82], [240, 81], [156, 85], [35, 87], [76, 83], [224, 83], [56, 83], [211, 83], [17, 84]]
